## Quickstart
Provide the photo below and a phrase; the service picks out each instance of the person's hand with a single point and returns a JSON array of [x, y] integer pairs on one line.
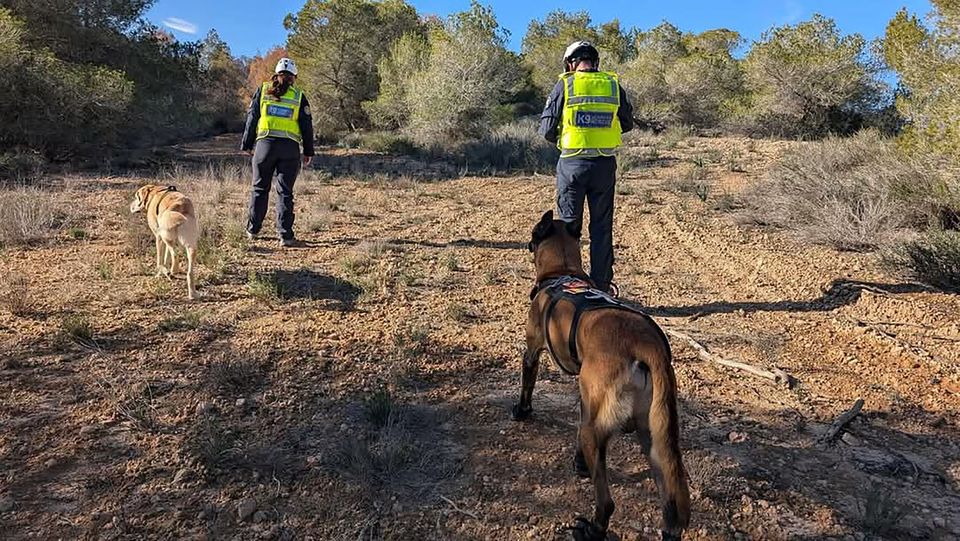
[[248, 152], [307, 160]]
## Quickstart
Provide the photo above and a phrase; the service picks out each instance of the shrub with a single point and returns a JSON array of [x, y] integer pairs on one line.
[[264, 287], [928, 69], [468, 71], [841, 192], [15, 294], [678, 78], [515, 146], [933, 259], [338, 45], [27, 215]]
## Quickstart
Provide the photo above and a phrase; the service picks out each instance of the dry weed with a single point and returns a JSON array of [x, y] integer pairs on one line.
[[28, 215], [15, 295]]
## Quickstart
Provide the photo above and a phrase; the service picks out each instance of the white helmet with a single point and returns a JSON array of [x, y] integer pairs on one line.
[[285, 64], [584, 48]]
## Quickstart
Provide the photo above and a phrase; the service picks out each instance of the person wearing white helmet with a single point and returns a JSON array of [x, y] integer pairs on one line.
[[279, 136], [585, 115]]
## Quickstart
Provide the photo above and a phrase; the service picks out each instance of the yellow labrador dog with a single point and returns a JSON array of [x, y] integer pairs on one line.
[[172, 219]]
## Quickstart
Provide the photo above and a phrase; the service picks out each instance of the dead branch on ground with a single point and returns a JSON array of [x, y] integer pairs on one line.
[[842, 421], [773, 374]]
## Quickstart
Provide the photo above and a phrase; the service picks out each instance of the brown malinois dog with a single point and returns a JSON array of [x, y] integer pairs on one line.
[[626, 382]]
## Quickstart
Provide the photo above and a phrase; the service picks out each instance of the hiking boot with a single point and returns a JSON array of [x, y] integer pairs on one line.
[[251, 236], [288, 243]]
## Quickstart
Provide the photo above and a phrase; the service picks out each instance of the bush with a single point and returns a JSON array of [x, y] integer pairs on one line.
[[515, 146], [678, 78], [468, 72], [933, 259], [338, 45], [28, 215], [841, 192], [15, 294]]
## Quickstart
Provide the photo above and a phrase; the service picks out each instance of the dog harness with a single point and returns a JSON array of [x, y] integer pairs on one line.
[[585, 298], [163, 193]]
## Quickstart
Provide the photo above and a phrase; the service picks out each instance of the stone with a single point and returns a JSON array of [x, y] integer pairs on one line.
[[6, 504], [246, 508], [940, 522], [851, 440], [260, 516]]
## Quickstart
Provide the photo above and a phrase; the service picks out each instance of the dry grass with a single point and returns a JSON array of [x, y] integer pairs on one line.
[[30, 214], [840, 192], [403, 455], [233, 373], [933, 259], [15, 296]]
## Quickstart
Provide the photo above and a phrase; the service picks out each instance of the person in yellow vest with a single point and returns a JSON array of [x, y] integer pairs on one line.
[[585, 115], [279, 136]]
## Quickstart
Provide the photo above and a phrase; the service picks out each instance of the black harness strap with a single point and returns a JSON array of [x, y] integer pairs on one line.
[[585, 298], [163, 193]]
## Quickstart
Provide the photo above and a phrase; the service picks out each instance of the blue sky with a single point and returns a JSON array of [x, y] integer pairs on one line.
[[251, 26]]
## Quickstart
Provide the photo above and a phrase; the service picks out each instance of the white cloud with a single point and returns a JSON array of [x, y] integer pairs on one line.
[[180, 25]]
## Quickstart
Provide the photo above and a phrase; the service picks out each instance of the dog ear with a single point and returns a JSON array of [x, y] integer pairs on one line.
[[575, 228], [171, 188], [542, 230]]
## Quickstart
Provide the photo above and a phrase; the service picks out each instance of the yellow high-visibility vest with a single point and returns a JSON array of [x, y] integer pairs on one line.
[[589, 125], [279, 118]]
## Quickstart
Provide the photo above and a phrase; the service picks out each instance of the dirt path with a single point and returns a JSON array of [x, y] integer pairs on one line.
[[358, 387]]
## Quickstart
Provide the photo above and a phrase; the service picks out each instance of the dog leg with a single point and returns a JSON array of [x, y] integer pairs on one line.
[[161, 256], [528, 378], [593, 445], [191, 291], [174, 262]]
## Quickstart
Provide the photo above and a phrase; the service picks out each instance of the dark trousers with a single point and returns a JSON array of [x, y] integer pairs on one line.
[[592, 179], [280, 156]]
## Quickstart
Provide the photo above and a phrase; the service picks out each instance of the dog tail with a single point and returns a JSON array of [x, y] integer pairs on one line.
[[187, 232], [665, 455]]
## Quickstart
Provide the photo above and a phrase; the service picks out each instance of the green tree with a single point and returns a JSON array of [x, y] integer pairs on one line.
[[338, 45], [225, 90], [469, 73], [810, 80], [927, 61], [545, 41], [684, 78], [54, 106], [408, 56]]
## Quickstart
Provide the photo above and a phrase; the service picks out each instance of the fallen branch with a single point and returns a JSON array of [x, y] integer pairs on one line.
[[773, 374], [837, 427], [457, 509]]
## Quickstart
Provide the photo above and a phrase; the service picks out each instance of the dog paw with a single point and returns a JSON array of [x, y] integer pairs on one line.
[[519, 413], [585, 530]]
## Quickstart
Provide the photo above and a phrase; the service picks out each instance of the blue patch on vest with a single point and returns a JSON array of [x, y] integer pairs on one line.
[[585, 119], [280, 111]]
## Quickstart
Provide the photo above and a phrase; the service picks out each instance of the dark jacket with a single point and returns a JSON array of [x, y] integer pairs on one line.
[[253, 116], [553, 113]]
